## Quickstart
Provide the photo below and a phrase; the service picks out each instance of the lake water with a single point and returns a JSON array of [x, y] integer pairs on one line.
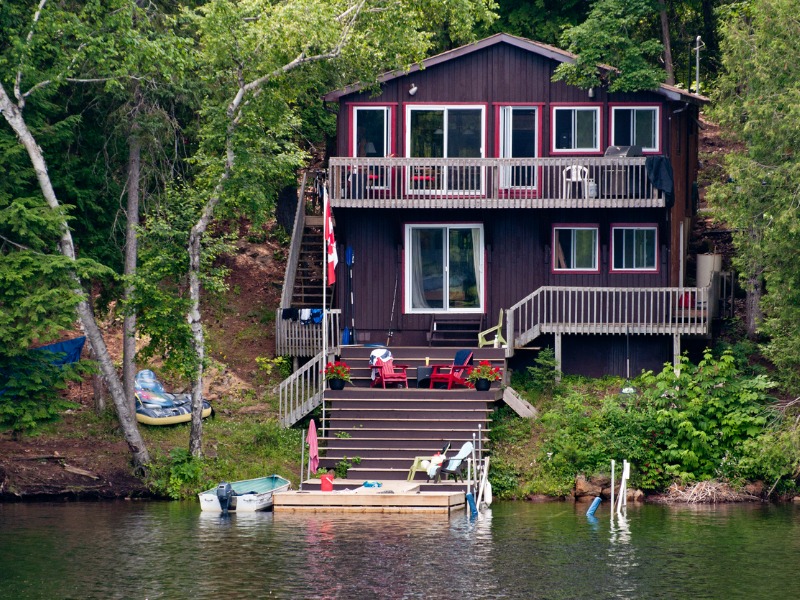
[[151, 550]]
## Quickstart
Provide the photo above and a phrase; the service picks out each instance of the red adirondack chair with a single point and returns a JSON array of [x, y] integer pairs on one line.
[[388, 372], [453, 374]]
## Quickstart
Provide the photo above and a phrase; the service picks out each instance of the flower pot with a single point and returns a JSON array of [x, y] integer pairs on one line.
[[482, 385], [336, 384]]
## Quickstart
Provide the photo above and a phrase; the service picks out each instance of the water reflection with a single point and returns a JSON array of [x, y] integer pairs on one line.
[[515, 550]]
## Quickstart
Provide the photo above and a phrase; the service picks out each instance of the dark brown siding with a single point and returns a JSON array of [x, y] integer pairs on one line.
[[518, 242], [517, 261]]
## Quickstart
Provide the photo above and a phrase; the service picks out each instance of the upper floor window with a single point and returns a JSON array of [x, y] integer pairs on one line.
[[635, 126], [576, 129], [519, 139], [634, 248], [371, 131], [575, 248], [445, 132]]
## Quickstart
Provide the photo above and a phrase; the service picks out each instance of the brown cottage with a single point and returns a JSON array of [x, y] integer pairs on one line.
[[474, 184]]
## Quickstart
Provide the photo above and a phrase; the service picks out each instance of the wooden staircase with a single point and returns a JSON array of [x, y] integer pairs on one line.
[[307, 292], [454, 330], [385, 429]]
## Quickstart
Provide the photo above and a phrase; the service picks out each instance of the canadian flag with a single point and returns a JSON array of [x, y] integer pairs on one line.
[[330, 241]]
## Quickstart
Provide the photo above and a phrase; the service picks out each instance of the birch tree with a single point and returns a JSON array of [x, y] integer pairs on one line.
[[259, 53], [47, 48]]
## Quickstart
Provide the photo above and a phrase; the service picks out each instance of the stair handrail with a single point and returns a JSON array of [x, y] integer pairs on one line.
[[294, 249], [302, 391]]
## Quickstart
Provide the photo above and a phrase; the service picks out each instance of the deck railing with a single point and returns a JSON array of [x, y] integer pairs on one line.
[[302, 391], [635, 311], [553, 182], [305, 339]]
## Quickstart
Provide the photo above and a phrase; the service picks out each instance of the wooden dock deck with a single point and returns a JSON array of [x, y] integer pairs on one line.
[[391, 497]]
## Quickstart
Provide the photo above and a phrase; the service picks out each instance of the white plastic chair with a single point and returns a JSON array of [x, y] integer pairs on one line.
[[575, 174]]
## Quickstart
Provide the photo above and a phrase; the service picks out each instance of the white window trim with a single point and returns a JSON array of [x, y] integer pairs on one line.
[[597, 129], [445, 108], [652, 269], [657, 110], [506, 141], [596, 266], [445, 184], [387, 122], [408, 260]]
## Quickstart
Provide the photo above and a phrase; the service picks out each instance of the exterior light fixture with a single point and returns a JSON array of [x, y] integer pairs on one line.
[[412, 90]]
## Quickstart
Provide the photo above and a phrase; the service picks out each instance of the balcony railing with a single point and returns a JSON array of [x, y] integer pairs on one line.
[[620, 311], [561, 182]]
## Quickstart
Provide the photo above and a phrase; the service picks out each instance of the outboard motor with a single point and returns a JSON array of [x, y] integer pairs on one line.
[[224, 495]]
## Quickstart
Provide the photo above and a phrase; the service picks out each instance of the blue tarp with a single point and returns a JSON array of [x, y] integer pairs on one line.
[[65, 353], [71, 348]]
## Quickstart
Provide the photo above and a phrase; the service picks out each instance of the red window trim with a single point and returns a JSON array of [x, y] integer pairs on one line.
[[659, 121], [553, 270], [601, 142], [614, 226]]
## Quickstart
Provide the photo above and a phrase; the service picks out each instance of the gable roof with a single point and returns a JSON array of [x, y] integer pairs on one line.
[[551, 52]]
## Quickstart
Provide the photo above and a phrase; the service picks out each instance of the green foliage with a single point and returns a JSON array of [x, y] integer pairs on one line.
[[758, 101], [280, 366], [615, 33], [161, 296], [539, 20], [711, 420], [542, 378], [510, 437], [31, 387], [236, 449], [178, 475], [341, 468]]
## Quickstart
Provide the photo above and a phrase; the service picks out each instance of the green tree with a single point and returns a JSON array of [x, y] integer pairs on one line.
[[619, 33], [758, 101], [257, 55], [45, 46]]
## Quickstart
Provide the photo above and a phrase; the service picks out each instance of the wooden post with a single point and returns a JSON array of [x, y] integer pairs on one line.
[[558, 357], [676, 353]]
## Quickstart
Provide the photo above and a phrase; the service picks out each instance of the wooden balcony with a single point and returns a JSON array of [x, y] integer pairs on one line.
[[611, 311], [562, 182]]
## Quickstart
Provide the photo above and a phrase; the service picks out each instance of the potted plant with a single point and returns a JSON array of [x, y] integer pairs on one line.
[[337, 374], [483, 375]]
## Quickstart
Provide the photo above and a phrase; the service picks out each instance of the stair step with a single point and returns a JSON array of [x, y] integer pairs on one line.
[[437, 439]]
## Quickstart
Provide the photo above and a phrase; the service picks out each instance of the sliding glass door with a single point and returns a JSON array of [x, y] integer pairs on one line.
[[519, 139], [455, 132], [444, 268]]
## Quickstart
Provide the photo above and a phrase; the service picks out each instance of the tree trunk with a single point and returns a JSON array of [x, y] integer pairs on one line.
[[127, 418], [753, 306], [99, 392], [131, 252], [668, 66], [198, 338]]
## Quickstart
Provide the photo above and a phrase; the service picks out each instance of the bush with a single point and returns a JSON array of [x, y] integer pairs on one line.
[[709, 421]]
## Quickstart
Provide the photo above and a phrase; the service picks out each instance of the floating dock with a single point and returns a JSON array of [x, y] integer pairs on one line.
[[390, 497]]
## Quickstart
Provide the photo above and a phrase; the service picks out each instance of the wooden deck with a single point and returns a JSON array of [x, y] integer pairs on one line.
[[391, 497], [541, 183]]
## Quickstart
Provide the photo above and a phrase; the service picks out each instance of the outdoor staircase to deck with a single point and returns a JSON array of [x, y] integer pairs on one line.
[[307, 292], [452, 330], [387, 428]]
